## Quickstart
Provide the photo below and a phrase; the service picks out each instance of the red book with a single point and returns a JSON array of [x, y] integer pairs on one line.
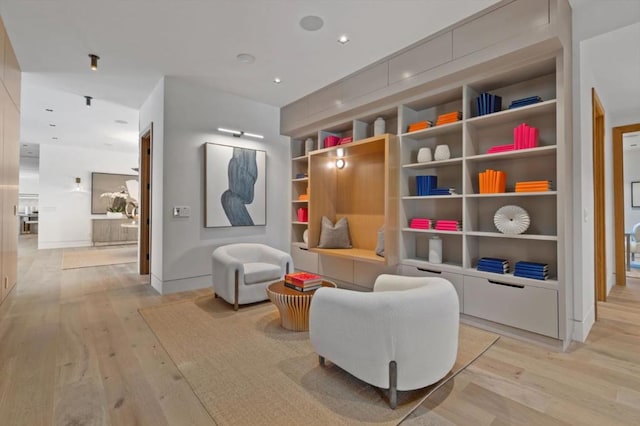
[[302, 279]]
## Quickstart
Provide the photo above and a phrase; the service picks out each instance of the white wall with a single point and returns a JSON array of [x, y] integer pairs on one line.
[[631, 174], [29, 183], [192, 112], [65, 214], [590, 19], [152, 113]]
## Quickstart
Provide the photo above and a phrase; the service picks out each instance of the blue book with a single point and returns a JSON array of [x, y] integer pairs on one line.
[[523, 263], [494, 259], [533, 277]]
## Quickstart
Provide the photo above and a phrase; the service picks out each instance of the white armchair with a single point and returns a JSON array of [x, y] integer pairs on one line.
[[403, 336], [241, 272]]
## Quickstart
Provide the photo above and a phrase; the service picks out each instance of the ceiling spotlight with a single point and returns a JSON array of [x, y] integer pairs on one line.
[[277, 80], [311, 23], [340, 163], [55, 138], [94, 61], [49, 110], [246, 58], [52, 125], [121, 121], [343, 39], [88, 100]]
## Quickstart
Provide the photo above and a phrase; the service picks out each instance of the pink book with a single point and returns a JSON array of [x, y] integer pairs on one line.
[[533, 137]]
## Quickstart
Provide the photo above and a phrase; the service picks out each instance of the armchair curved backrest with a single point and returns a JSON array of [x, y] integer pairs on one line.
[[241, 272], [412, 321]]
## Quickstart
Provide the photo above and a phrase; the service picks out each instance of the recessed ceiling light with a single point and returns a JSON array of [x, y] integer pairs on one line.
[[49, 110], [311, 23], [55, 138], [121, 122], [277, 80], [246, 58], [634, 144], [52, 125], [343, 39]]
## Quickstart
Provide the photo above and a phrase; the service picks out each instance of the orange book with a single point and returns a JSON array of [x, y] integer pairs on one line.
[[303, 197], [420, 125]]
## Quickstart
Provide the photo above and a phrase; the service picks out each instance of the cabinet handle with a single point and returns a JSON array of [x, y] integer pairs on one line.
[[428, 270], [506, 284], [302, 248]]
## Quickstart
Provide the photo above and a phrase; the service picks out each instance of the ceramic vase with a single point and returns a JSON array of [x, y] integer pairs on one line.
[[308, 146], [424, 155], [442, 153], [379, 126], [435, 249]]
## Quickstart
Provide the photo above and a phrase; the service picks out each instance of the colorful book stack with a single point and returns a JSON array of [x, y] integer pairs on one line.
[[533, 270], [487, 103], [448, 225], [303, 214], [421, 223], [501, 148], [525, 136], [533, 186], [420, 125], [302, 281], [346, 140], [301, 175], [426, 185], [525, 101], [450, 117], [491, 264], [492, 181]]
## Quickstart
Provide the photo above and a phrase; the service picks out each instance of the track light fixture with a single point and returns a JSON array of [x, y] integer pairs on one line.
[[88, 100], [239, 133], [94, 61]]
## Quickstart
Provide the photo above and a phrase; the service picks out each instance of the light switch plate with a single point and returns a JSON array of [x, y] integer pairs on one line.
[[181, 211]]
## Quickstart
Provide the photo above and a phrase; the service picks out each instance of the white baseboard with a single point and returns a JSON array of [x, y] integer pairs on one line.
[[184, 284], [582, 328], [45, 245]]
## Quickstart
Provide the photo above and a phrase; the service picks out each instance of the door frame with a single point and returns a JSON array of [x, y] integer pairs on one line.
[[618, 199], [146, 163], [599, 249]]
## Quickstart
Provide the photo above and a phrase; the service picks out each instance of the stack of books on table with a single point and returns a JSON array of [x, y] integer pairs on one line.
[[487, 103], [449, 225], [450, 117], [492, 181], [302, 281], [533, 186], [491, 264], [525, 101], [419, 125], [421, 223], [533, 270]]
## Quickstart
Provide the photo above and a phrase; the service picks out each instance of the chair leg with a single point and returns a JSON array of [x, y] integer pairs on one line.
[[321, 360], [287, 269], [393, 384], [235, 300]]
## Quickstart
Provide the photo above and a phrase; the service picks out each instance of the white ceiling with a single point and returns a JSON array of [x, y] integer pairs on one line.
[[631, 141], [140, 41]]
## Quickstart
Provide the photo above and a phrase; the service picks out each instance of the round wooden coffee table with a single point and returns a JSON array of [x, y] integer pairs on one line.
[[293, 305]]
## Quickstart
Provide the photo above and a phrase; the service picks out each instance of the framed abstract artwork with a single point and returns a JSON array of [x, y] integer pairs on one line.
[[103, 188], [635, 195], [235, 186]]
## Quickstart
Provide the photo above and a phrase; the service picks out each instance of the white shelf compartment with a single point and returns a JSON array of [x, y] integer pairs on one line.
[[431, 197], [432, 164], [300, 180], [514, 194], [424, 264], [515, 114], [541, 151], [295, 222], [431, 231], [434, 131], [299, 201]]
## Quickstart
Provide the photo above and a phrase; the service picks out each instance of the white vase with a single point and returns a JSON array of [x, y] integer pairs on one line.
[[308, 146], [424, 155], [115, 215], [442, 153], [435, 249], [379, 126]]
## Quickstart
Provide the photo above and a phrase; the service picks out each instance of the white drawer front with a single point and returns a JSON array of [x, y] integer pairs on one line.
[[365, 273], [529, 308], [456, 279], [336, 267], [304, 260]]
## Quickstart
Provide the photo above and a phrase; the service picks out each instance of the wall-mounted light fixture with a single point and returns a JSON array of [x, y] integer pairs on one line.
[[78, 182], [238, 133], [94, 61], [88, 100], [340, 163]]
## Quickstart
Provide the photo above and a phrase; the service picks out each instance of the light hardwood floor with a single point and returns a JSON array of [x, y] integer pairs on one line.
[[75, 351]]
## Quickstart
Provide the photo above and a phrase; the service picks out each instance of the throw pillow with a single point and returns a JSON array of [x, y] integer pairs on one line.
[[380, 244], [334, 236]]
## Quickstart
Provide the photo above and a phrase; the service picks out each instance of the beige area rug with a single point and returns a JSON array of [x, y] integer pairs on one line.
[[247, 370], [72, 259]]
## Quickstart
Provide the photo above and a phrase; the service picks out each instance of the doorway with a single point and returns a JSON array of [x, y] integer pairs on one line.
[[622, 229], [600, 252], [146, 145]]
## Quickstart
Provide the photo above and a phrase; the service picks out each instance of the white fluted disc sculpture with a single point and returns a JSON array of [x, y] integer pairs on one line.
[[511, 220]]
